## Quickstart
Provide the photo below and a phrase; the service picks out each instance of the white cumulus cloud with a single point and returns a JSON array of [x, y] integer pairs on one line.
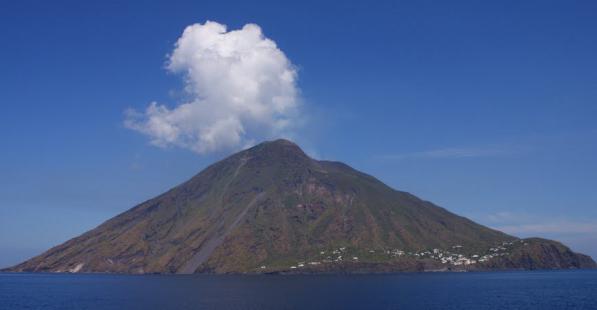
[[241, 86]]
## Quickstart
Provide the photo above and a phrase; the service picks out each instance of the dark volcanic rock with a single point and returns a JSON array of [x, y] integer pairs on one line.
[[272, 209]]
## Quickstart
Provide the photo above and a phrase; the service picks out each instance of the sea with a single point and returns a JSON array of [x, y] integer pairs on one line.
[[467, 290]]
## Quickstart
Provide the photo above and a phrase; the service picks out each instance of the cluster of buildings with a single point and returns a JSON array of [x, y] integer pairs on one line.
[[455, 256], [335, 255], [302, 264]]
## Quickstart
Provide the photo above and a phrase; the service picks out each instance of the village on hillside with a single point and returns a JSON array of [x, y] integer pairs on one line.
[[455, 256]]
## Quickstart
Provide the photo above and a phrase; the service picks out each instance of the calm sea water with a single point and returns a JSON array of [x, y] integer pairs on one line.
[[491, 290]]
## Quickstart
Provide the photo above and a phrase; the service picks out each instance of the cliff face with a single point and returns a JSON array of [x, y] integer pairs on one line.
[[536, 253], [271, 208]]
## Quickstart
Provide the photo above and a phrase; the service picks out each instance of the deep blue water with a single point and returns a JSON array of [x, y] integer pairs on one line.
[[490, 290]]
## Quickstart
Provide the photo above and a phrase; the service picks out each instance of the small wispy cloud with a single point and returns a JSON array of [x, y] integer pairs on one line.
[[136, 163], [525, 224], [556, 227], [460, 152]]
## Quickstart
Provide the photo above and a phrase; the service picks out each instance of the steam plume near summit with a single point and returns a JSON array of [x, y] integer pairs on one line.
[[241, 86]]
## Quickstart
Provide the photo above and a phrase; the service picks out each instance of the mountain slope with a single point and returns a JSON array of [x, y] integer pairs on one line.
[[271, 208]]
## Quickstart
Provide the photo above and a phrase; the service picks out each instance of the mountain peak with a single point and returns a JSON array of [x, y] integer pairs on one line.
[[279, 148], [282, 143]]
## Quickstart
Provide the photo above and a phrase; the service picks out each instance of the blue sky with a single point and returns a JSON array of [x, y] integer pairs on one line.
[[487, 109]]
